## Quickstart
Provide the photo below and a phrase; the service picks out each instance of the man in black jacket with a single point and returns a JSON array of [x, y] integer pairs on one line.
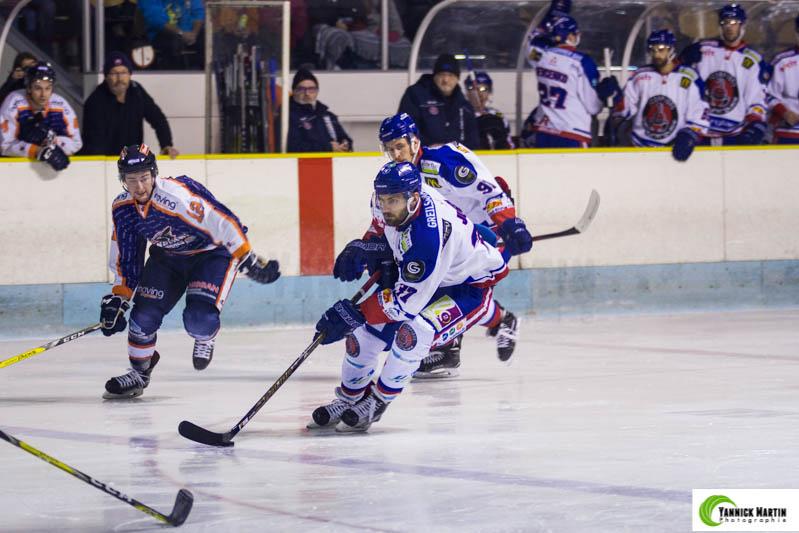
[[113, 114], [439, 108], [312, 127]]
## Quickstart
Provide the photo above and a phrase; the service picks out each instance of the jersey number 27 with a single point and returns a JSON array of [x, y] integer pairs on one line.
[[552, 96]]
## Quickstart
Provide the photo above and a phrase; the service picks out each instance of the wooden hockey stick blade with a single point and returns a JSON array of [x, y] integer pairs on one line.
[[183, 504], [582, 224], [203, 436]]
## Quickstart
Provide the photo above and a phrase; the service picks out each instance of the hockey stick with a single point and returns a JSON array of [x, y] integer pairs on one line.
[[203, 436], [582, 224], [179, 513], [52, 344]]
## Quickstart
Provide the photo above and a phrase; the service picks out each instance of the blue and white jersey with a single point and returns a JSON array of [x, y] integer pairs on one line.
[[439, 247], [734, 88], [567, 81], [783, 91], [182, 217], [459, 175], [57, 116], [661, 105]]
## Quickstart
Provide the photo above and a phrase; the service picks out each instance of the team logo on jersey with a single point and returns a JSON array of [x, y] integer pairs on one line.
[[352, 346], [660, 117], [442, 313], [721, 92], [465, 175], [150, 292], [167, 239], [433, 182], [413, 271], [747, 63], [433, 110], [406, 338], [429, 167], [405, 241]]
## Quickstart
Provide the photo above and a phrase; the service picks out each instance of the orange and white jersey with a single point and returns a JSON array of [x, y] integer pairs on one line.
[[182, 217], [58, 116]]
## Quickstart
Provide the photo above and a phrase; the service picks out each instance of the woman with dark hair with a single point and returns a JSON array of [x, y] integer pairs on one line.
[[16, 78]]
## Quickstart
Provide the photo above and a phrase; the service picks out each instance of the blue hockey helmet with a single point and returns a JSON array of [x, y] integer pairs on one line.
[[561, 27], [42, 70], [396, 126], [661, 38], [398, 178], [732, 12], [482, 78], [135, 158]]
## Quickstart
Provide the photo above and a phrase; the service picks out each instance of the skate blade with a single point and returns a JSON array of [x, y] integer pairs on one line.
[[343, 428], [313, 426], [129, 396], [437, 374]]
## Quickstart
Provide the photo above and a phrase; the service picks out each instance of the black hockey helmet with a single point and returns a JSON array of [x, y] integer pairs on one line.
[[135, 158], [42, 70]]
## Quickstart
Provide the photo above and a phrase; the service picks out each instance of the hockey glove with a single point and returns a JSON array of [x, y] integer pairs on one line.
[[684, 144], [359, 253], [389, 272], [259, 269], [691, 55], [339, 321], [54, 156], [607, 88], [752, 134], [33, 130], [517, 239], [112, 314]]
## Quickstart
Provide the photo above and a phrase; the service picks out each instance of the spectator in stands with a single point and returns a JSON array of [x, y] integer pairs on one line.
[[114, 113], [491, 123], [38, 123], [312, 127], [175, 31], [16, 78], [439, 108]]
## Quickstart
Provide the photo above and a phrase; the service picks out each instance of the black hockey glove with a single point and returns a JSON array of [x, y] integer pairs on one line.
[[517, 239], [607, 88], [753, 133], [112, 314], [691, 55], [259, 269], [33, 130], [339, 321], [359, 254], [684, 144], [54, 156]]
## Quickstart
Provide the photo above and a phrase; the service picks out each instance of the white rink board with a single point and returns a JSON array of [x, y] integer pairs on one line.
[[720, 206]]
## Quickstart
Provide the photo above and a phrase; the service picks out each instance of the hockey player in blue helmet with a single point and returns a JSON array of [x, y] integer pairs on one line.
[[663, 101], [444, 287], [485, 200], [783, 94], [734, 75], [184, 225], [493, 127]]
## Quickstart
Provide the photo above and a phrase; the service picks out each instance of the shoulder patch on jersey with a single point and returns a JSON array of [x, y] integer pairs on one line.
[[426, 166], [748, 63], [465, 175], [459, 147], [405, 241], [446, 231], [752, 54], [685, 82], [413, 271]]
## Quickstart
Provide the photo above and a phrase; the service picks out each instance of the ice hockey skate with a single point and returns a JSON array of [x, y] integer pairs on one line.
[[328, 415], [130, 385], [362, 415], [202, 354], [443, 362], [506, 334]]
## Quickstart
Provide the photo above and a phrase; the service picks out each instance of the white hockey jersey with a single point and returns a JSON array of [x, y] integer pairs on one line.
[[57, 116], [567, 81], [734, 88], [459, 175], [660, 106], [440, 247], [783, 91]]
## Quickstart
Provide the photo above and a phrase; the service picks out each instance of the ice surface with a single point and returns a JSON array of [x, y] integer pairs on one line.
[[602, 424]]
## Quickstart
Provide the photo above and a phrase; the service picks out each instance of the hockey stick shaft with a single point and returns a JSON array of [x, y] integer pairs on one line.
[[582, 225], [52, 344], [179, 514], [196, 433]]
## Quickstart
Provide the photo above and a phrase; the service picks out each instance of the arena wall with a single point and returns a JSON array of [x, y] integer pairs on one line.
[[719, 231]]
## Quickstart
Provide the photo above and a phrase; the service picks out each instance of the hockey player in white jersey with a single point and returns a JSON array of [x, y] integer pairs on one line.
[[196, 247], [664, 101], [569, 89], [38, 123], [783, 94], [734, 76], [446, 275]]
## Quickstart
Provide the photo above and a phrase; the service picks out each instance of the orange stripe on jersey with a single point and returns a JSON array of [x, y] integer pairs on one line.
[[220, 213], [32, 151], [242, 250], [121, 290]]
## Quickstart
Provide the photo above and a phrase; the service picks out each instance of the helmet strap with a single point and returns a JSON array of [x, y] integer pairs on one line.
[[414, 210]]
